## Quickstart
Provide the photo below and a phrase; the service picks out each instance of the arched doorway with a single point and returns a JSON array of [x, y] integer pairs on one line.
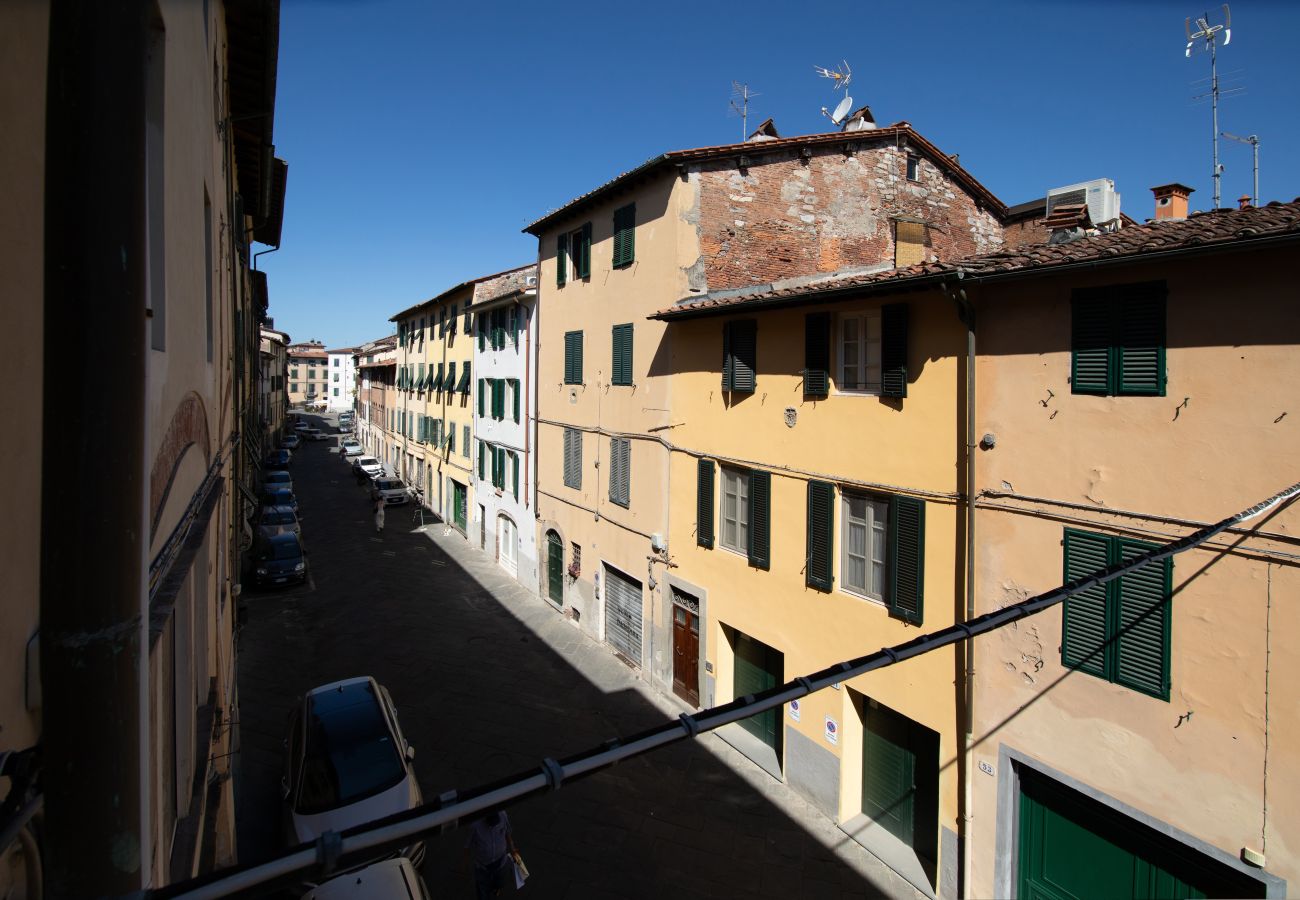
[[508, 544], [554, 568]]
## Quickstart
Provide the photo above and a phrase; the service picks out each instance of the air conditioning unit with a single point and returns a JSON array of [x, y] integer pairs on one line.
[[530, 281], [1099, 194]]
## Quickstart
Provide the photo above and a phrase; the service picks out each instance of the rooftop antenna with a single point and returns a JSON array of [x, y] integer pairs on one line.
[[1253, 140], [740, 97], [1210, 35], [841, 75]]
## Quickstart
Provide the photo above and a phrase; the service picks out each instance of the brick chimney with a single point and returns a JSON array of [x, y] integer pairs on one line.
[[1171, 201]]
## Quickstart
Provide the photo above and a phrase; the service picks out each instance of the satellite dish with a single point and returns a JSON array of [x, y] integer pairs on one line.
[[842, 109]]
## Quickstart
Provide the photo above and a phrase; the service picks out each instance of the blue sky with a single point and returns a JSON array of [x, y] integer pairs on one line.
[[422, 137]]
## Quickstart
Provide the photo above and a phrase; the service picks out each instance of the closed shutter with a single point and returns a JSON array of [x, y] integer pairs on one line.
[[760, 519], [561, 264], [619, 470], [816, 354], [821, 535], [1090, 343], [464, 439], [573, 458], [420, 377], [622, 355], [893, 350], [514, 392], [740, 351], [623, 614], [481, 402], [907, 558], [1083, 638], [482, 333], [573, 357], [1142, 644], [500, 411], [758, 668], [481, 463], [584, 257], [704, 503], [889, 775], [514, 464], [624, 236], [1141, 348]]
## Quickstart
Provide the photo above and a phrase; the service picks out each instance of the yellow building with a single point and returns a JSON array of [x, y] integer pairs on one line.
[[308, 380]]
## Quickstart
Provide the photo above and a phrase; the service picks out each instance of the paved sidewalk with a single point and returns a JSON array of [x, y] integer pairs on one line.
[[489, 679]]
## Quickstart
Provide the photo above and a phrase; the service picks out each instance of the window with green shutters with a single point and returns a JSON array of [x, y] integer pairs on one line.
[[819, 570], [573, 458], [482, 393], [1117, 340], [817, 355], [621, 370], [893, 350], [450, 381], [514, 395], [561, 264], [464, 439], [580, 247], [498, 398], [624, 236], [704, 503], [481, 326], [451, 439], [620, 471], [906, 594], [739, 355], [1118, 631], [463, 386], [514, 466], [420, 378], [482, 450], [573, 357]]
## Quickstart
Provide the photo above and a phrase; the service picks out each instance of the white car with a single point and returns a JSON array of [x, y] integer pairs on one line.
[[369, 465], [300, 425], [389, 879], [346, 763], [314, 434], [351, 448], [391, 490]]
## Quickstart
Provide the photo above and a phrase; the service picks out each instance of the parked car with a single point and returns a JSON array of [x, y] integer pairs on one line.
[[369, 465], [388, 879], [279, 559], [347, 416], [346, 762], [277, 459], [276, 497], [291, 442], [345, 426], [301, 425], [391, 490], [351, 448], [273, 520], [279, 479], [314, 434]]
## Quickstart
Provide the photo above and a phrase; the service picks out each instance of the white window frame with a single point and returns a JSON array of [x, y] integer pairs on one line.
[[735, 484], [875, 520], [867, 348]]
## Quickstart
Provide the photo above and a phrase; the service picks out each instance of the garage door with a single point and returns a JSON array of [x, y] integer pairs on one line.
[[623, 614]]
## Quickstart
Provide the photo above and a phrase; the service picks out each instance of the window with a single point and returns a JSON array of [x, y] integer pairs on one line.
[[336, 361], [293, 373], [464, 439], [624, 236], [817, 355], [293, 386], [449, 382], [463, 386], [621, 370], [573, 357], [745, 514], [573, 458], [419, 380], [514, 394], [1118, 631], [620, 475], [1117, 340], [862, 545], [573, 254], [482, 397], [860, 353], [735, 510], [913, 167], [909, 243], [336, 392], [451, 319], [442, 322], [498, 398], [336, 376], [739, 355]]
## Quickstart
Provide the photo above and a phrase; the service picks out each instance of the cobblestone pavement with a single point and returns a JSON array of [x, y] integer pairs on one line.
[[488, 680]]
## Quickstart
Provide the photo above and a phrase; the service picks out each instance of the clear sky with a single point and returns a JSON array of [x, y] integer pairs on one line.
[[421, 136]]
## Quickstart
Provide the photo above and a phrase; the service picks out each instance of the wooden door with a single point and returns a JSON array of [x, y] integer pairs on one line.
[[686, 655]]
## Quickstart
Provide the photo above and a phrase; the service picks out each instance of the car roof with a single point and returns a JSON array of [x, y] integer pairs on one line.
[[389, 878], [284, 537], [278, 508]]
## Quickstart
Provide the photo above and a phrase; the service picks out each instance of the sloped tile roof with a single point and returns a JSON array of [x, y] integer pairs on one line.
[[1201, 231]]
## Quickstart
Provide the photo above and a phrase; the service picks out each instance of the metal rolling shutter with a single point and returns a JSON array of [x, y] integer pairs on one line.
[[623, 614]]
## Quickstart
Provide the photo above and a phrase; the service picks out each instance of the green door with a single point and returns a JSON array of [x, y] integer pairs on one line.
[[1073, 847], [889, 775], [459, 502], [759, 667], [554, 568]]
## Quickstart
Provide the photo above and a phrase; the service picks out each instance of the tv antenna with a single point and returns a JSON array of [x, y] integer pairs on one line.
[[1210, 35], [841, 75], [740, 97], [1253, 140]]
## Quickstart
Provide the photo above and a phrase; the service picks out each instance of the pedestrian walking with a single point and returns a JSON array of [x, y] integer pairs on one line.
[[379, 516], [491, 847]]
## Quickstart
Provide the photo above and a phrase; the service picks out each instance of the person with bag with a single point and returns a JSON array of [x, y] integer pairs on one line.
[[491, 847]]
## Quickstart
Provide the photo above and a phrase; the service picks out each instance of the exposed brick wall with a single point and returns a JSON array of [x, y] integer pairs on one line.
[[786, 216], [1023, 233]]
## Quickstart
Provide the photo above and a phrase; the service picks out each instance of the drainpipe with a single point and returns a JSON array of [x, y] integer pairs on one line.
[[94, 648]]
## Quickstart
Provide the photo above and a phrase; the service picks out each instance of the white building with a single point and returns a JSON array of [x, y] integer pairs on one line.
[[505, 341], [340, 378]]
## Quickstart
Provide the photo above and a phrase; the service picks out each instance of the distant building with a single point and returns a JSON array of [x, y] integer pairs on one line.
[[376, 364], [273, 393], [340, 386], [308, 373]]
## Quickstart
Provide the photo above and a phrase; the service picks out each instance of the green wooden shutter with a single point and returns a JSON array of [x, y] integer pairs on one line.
[[482, 334], [1085, 628], [584, 264], [819, 572], [514, 462], [438, 379], [450, 381], [1142, 623], [1141, 350], [464, 380], [760, 519], [420, 377], [889, 775], [573, 357], [514, 390], [758, 668], [621, 370], [893, 350], [816, 354], [480, 461], [742, 360], [561, 264], [624, 236], [1091, 371], [481, 401], [907, 558], [500, 410], [727, 368], [704, 503]]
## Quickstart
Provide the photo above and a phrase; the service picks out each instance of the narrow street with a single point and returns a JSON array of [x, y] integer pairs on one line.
[[488, 680]]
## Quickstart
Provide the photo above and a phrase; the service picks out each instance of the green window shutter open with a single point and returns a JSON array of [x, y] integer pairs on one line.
[[450, 381], [1142, 622], [821, 535], [514, 391], [482, 335], [514, 464], [573, 357], [907, 558], [584, 254], [621, 371], [1090, 368], [1141, 349], [420, 377], [463, 387], [760, 519], [624, 236], [501, 399], [893, 350], [480, 460], [561, 264], [740, 351], [481, 401], [1085, 628], [817, 354], [437, 379], [704, 503]]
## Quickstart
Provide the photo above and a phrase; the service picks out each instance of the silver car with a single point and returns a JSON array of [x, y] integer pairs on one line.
[[351, 448], [369, 465]]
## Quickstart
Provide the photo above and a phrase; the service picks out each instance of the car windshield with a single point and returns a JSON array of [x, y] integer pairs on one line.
[[367, 461], [280, 550], [350, 752], [388, 484]]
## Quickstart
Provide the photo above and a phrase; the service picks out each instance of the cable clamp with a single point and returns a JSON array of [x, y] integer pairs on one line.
[[691, 726], [329, 847], [554, 773], [966, 629], [448, 798], [805, 682], [891, 653]]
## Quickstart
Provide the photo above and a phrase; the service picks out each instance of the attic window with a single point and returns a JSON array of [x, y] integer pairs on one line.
[[913, 167]]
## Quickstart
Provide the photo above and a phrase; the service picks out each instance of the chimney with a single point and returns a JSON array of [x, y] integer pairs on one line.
[[1243, 202], [1171, 201]]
